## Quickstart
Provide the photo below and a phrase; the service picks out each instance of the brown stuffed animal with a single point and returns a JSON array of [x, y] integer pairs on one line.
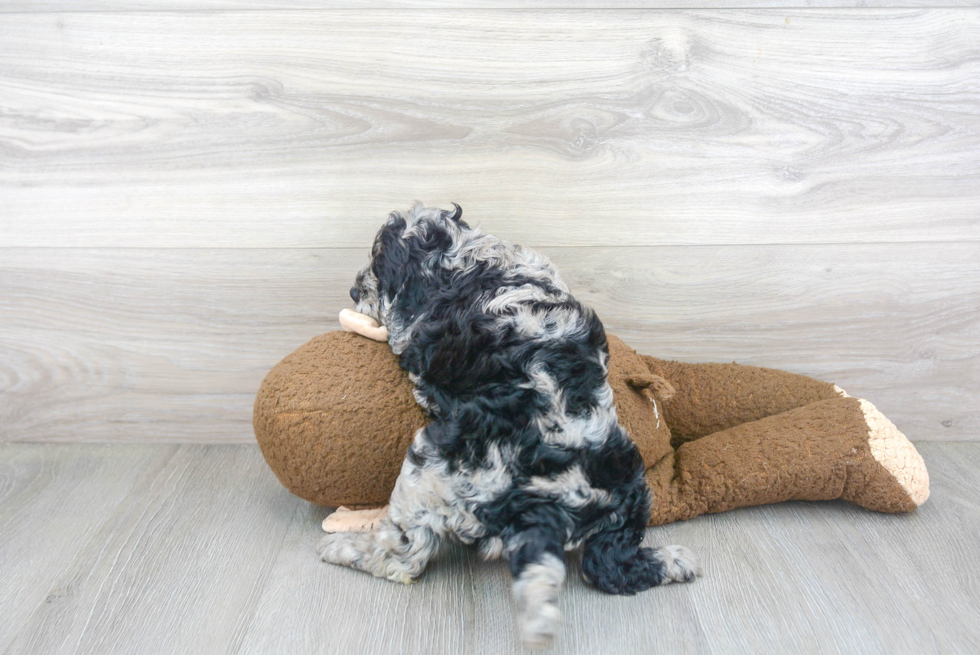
[[335, 418]]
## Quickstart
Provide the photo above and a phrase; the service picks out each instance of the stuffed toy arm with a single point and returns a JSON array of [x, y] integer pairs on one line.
[[362, 324], [345, 519]]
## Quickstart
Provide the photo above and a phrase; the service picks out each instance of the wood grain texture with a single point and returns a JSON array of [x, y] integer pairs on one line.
[[35, 6], [53, 500], [832, 577], [171, 345], [559, 128], [177, 568], [207, 553], [866, 541]]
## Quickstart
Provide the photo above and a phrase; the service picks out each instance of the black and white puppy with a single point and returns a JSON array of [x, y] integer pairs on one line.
[[524, 455]]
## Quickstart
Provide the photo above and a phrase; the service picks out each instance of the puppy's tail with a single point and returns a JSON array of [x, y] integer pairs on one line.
[[615, 563]]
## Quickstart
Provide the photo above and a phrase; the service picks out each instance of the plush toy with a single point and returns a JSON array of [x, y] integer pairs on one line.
[[335, 418]]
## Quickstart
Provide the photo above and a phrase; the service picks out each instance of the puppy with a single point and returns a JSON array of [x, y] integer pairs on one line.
[[524, 455]]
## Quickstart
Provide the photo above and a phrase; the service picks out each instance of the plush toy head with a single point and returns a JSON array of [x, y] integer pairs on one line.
[[335, 418]]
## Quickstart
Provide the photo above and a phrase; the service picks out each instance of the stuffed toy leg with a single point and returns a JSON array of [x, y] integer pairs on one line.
[[335, 418], [753, 436]]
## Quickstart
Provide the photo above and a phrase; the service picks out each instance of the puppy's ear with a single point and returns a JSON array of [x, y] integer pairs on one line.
[[391, 255], [397, 263]]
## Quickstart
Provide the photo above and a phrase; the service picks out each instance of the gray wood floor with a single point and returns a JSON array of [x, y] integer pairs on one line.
[[197, 549]]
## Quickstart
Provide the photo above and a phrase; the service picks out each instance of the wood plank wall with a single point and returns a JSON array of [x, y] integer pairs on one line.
[[185, 193]]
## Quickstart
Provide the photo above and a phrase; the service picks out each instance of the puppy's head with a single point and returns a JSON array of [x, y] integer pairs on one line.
[[408, 252]]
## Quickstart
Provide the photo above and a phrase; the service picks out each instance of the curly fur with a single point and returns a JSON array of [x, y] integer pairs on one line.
[[524, 455]]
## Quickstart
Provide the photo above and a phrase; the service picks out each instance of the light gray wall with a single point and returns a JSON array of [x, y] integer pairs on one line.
[[185, 195]]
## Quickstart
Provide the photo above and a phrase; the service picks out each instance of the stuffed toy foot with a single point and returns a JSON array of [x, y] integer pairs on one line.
[[351, 520], [335, 418]]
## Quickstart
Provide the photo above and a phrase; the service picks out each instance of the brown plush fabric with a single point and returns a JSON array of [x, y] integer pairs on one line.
[[714, 397], [815, 452], [335, 418], [636, 405]]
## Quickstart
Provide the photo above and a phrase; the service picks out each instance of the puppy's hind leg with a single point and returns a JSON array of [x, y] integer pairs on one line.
[[538, 566], [389, 551], [614, 562], [399, 546]]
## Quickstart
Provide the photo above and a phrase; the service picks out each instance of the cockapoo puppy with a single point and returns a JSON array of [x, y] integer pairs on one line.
[[524, 455]]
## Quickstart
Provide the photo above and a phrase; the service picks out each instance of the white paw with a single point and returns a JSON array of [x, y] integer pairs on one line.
[[682, 565], [539, 630], [339, 549], [327, 549]]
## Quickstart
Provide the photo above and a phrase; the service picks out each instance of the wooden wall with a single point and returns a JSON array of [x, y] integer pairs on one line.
[[186, 193]]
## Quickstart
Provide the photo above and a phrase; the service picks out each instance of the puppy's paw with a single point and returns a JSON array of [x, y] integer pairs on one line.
[[680, 563], [326, 548], [339, 548], [540, 627]]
